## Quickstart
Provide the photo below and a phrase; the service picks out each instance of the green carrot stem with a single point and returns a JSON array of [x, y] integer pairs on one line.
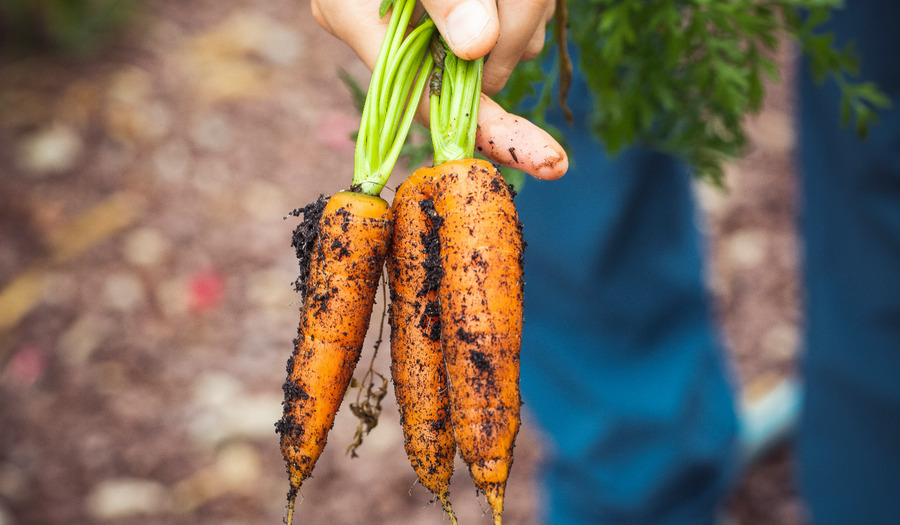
[[395, 89], [454, 100]]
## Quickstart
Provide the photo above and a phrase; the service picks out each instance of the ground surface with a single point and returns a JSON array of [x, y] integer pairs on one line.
[[146, 308]]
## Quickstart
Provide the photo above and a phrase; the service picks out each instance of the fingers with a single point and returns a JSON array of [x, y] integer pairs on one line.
[[522, 34], [510, 140], [511, 30], [513, 141], [504, 138], [356, 23], [470, 27]]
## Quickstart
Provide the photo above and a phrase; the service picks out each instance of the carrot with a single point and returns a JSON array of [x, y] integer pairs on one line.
[[481, 286], [480, 296], [417, 364], [350, 242], [342, 245]]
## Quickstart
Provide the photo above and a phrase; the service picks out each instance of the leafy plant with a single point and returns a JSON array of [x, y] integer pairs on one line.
[[680, 75]]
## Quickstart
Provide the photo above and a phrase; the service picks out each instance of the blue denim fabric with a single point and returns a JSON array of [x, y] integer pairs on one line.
[[621, 363], [849, 437]]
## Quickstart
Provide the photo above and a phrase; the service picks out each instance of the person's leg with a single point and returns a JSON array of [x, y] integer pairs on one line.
[[620, 362], [849, 437]]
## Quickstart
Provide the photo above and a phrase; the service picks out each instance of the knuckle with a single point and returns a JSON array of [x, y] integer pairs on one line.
[[494, 79], [534, 47]]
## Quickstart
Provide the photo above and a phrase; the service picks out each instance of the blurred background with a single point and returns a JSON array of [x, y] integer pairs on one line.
[[149, 154]]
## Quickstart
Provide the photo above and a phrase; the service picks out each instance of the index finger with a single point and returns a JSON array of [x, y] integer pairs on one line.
[[516, 142], [470, 27]]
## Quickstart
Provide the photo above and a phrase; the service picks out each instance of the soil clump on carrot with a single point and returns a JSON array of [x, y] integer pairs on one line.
[[304, 237]]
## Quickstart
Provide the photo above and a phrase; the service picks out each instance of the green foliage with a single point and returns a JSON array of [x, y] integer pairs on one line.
[[75, 27], [681, 75]]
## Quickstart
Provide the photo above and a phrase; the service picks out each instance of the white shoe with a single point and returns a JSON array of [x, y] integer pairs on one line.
[[768, 420]]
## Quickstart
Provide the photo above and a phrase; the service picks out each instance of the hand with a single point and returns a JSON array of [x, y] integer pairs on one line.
[[503, 138], [511, 30]]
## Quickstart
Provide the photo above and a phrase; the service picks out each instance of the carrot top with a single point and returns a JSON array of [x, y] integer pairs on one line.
[[395, 89], [455, 95]]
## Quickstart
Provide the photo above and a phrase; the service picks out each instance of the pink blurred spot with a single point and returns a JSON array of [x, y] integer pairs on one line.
[[26, 366], [205, 290], [334, 130]]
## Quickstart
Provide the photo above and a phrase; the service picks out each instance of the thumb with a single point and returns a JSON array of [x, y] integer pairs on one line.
[[470, 27]]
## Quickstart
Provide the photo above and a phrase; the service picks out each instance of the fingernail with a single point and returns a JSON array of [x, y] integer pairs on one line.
[[465, 23]]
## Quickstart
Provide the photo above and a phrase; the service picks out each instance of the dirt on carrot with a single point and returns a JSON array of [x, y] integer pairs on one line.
[[467, 227], [341, 247], [417, 364]]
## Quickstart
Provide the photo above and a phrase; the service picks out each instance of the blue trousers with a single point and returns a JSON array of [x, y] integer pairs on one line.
[[849, 436], [621, 363]]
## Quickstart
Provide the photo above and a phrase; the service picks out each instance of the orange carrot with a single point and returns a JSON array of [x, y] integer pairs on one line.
[[341, 264], [417, 365], [342, 248], [480, 296]]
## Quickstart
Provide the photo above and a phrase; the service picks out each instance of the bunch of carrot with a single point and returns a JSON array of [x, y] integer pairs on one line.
[[453, 247]]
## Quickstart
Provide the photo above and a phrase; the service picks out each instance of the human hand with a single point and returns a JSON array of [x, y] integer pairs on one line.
[[504, 138], [511, 30]]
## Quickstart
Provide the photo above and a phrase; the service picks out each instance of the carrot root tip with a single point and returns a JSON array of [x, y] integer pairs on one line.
[[292, 499], [445, 502]]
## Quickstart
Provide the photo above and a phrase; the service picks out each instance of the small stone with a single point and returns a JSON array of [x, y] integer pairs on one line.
[[172, 160], [747, 248], [238, 465], [780, 342], [773, 131], [87, 333], [281, 45], [126, 498], [131, 85], [146, 247], [223, 411], [123, 291], [238, 468], [50, 151], [253, 416], [212, 133], [126, 116], [216, 389], [712, 200]]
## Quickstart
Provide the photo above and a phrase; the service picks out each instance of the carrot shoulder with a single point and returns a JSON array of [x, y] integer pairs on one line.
[[344, 266]]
